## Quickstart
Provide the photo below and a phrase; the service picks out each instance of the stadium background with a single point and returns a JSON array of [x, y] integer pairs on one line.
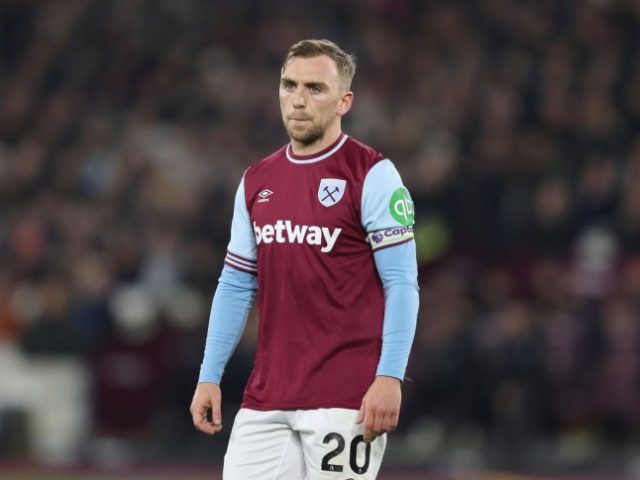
[[125, 126]]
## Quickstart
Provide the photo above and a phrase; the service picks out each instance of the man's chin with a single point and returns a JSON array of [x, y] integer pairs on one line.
[[303, 136]]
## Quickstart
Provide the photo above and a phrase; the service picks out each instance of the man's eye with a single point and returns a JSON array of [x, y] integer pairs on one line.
[[315, 89], [289, 87]]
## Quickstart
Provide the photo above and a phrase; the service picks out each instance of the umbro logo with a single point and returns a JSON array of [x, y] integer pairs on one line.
[[264, 195]]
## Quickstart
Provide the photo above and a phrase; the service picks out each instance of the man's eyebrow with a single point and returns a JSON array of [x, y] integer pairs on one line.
[[289, 80], [316, 84]]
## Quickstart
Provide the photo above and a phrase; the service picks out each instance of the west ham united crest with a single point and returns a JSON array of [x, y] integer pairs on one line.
[[331, 191]]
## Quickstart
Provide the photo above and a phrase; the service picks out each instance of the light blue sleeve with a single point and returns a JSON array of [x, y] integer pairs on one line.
[[388, 217], [229, 312], [242, 251], [234, 296], [398, 271], [387, 208]]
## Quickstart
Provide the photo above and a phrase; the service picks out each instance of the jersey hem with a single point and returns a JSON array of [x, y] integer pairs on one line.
[[265, 407]]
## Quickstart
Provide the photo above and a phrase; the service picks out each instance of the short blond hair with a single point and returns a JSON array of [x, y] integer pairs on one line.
[[310, 48]]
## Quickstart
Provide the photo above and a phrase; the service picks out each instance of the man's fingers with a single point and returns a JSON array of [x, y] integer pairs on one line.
[[369, 420], [379, 414], [367, 435], [216, 415], [207, 397], [388, 423], [384, 423], [377, 425], [199, 416], [360, 418], [393, 421], [202, 424], [199, 411]]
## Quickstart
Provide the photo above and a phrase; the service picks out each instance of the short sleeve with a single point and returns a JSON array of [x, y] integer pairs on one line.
[[241, 252], [387, 209]]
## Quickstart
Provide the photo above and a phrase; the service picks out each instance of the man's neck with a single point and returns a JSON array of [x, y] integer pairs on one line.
[[329, 137]]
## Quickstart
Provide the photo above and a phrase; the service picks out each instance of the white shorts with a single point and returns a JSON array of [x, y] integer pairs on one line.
[[301, 445]]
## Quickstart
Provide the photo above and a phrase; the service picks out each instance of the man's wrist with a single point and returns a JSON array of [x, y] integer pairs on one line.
[[389, 377], [208, 382]]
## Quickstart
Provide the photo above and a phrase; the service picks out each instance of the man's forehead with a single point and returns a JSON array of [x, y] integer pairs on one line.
[[321, 67]]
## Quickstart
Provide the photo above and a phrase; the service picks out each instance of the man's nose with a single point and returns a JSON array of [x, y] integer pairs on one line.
[[299, 101]]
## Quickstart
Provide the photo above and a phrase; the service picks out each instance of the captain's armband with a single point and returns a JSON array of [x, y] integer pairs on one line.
[[390, 237]]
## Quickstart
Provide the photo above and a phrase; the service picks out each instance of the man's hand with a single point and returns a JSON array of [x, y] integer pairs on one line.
[[207, 396], [380, 407]]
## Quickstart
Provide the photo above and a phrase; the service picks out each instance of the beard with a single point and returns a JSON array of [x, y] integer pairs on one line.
[[306, 136]]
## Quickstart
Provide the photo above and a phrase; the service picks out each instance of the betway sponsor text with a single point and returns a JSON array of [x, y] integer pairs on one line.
[[285, 232]]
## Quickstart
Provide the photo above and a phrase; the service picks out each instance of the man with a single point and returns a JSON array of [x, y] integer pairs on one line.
[[322, 230]]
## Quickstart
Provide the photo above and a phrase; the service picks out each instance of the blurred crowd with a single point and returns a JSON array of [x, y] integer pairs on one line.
[[125, 126]]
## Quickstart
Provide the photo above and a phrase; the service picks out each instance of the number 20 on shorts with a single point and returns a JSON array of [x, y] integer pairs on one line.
[[328, 466]]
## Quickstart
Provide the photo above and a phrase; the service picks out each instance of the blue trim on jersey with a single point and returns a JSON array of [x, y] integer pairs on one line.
[[229, 312], [398, 270]]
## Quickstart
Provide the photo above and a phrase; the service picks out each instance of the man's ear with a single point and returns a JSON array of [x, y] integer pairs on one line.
[[345, 103]]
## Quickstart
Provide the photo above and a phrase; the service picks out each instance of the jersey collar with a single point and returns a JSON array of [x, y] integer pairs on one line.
[[317, 157]]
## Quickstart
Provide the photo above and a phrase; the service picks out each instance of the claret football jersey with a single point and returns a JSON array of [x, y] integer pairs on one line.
[[307, 227]]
